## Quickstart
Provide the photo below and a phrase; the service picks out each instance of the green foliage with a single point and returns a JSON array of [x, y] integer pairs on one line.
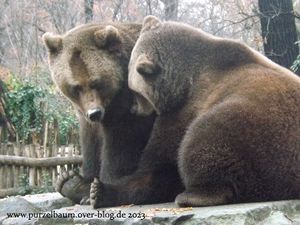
[[45, 187], [33, 102], [24, 110], [61, 112], [24, 184]]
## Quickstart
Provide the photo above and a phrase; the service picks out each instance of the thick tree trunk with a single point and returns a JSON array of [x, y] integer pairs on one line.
[[88, 10], [4, 120], [279, 31]]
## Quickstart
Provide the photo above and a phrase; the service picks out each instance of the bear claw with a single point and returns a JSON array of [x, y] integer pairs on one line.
[[95, 193]]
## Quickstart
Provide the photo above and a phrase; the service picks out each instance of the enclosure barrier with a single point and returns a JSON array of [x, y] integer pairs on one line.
[[34, 162]]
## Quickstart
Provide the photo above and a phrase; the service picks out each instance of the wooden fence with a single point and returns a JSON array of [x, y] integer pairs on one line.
[[34, 161]]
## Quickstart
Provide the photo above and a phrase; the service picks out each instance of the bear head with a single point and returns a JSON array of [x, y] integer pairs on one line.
[[89, 65], [158, 70]]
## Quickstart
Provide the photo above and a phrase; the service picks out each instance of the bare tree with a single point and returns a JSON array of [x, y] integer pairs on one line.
[[117, 8], [88, 10], [23, 22], [279, 31], [171, 9], [149, 6]]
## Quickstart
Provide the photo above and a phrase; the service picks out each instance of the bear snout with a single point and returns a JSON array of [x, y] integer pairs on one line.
[[95, 114]]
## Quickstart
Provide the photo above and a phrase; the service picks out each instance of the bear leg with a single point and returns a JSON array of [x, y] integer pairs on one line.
[[214, 166], [143, 187]]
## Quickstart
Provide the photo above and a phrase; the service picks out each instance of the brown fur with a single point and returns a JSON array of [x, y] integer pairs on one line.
[[242, 141], [89, 65], [228, 117]]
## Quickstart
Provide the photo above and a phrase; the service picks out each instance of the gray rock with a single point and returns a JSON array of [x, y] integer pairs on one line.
[[14, 210], [267, 213], [48, 201], [32, 204], [16, 205], [55, 209]]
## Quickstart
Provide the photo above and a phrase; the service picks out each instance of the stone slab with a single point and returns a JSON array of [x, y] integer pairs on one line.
[[52, 208]]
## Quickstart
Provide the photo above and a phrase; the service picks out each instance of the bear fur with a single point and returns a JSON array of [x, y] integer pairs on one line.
[[228, 120], [89, 64]]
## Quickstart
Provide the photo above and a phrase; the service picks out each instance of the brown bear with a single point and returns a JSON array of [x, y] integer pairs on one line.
[[228, 119], [89, 64]]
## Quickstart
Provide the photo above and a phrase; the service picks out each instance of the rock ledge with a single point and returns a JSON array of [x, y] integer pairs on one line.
[[52, 208]]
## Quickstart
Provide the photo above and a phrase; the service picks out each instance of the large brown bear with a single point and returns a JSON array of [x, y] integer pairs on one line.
[[228, 117], [89, 65]]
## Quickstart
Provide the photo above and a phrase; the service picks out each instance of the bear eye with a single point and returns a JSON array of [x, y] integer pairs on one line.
[[75, 89], [97, 84], [77, 54], [148, 68]]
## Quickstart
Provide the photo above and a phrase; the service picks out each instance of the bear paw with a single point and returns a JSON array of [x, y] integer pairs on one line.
[[71, 185], [195, 199], [96, 193], [104, 195]]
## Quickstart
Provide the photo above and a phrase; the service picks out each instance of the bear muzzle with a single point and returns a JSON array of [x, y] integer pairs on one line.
[[95, 114]]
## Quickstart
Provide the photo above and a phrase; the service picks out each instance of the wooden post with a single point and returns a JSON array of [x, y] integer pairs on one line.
[[22, 153], [5, 168], [77, 152], [32, 170], [2, 175], [27, 154], [9, 172], [70, 154], [53, 174], [63, 154], [39, 154], [49, 170], [16, 148], [56, 132], [46, 128], [1, 133]]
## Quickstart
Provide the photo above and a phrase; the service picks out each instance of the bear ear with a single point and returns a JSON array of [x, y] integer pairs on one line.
[[147, 68], [53, 42], [108, 38], [150, 23]]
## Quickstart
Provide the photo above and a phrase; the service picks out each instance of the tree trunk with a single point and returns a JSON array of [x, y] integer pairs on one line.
[[279, 31], [4, 120], [117, 9], [88, 10], [171, 9]]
